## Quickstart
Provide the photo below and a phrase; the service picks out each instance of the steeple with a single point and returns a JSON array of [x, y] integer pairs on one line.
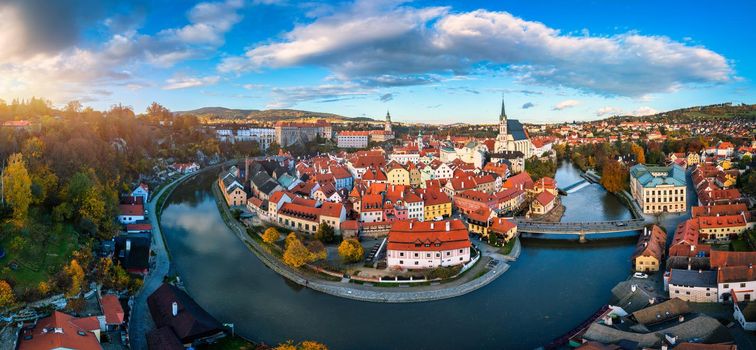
[[503, 115], [388, 117], [387, 124]]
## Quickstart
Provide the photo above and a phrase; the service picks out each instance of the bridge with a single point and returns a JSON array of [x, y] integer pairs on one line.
[[580, 229]]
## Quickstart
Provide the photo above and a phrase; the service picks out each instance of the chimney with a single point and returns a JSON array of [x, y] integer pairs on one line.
[[432, 225], [410, 225], [448, 225], [174, 309]]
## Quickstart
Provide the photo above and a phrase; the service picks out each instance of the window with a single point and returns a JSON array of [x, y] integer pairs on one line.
[[401, 254], [742, 285], [401, 262], [417, 262]]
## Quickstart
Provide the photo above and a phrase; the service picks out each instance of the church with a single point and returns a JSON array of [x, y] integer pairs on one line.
[[512, 136]]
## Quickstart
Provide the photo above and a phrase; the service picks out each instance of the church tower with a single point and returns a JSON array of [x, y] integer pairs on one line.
[[503, 119], [387, 124]]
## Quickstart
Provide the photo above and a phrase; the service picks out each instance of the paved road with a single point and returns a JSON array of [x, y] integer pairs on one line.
[[141, 322]]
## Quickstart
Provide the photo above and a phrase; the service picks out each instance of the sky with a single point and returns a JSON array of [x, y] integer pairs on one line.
[[425, 61]]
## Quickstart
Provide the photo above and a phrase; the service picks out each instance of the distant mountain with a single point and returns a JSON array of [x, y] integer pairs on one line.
[[268, 114]]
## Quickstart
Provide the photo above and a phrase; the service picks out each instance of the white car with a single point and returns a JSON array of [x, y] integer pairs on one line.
[[640, 275]]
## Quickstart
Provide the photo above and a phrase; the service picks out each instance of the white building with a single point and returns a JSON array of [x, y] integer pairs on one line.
[[405, 157], [263, 136], [141, 191], [352, 139], [693, 285], [739, 280], [659, 189], [425, 245], [512, 136]]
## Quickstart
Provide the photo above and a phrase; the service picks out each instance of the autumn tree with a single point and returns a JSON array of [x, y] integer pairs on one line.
[[351, 250], [305, 345], [296, 254], [614, 176], [271, 235], [7, 297], [325, 233], [640, 155], [76, 274], [17, 184]]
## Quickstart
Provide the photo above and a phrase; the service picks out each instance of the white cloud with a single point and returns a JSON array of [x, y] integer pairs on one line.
[[642, 111], [608, 110], [209, 22], [290, 96], [183, 82], [566, 104], [371, 39]]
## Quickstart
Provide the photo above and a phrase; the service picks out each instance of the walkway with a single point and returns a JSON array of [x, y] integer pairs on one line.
[[579, 228], [140, 321], [366, 292]]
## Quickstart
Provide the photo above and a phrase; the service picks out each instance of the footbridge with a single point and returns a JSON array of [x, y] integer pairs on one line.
[[580, 229]]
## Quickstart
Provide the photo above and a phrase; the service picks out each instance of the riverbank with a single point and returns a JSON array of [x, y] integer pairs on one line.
[[486, 270]]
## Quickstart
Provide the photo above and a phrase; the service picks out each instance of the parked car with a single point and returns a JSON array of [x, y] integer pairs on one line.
[[640, 275]]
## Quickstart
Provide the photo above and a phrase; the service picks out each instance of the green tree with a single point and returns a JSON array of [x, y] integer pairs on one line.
[[351, 250], [17, 184], [325, 233]]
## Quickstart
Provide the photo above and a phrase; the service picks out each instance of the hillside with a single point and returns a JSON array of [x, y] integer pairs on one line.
[[718, 111], [267, 115]]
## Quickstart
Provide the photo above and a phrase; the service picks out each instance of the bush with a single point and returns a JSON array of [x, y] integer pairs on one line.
[[444, 272], [325, 233]]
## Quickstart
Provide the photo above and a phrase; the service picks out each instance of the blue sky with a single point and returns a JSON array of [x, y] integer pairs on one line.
[[426, 61]]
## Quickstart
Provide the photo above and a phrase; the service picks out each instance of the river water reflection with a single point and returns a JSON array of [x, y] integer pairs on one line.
[[550, 289]]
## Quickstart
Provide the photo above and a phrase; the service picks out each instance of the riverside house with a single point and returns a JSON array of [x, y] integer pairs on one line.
[[649, 252], [232, 188], [424, 245]]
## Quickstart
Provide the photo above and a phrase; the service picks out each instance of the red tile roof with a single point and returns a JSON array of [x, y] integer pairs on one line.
[[725, 258], [545, 197], [131, 209], [735, 274], [428, 236], [501, 225], [56, 332], [112, 309]]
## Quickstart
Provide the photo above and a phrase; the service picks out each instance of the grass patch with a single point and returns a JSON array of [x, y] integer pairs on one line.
[[45, 251], [740, 245], [507, 248]]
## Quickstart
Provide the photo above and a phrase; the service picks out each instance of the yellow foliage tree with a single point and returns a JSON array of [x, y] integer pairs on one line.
[[6, 294], [305, 345], [640, 155], [271, 235], [17, 186], [296, 254], [351, 250], [44, 288], [76, 273], [614, 176]]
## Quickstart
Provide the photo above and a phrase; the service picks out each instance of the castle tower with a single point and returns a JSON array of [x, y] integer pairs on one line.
[[420, 140], [387, 124]]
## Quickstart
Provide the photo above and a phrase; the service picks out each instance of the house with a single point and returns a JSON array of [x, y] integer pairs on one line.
[[695, 286], [478, 220], [112, 311], [510, 199], [232, 188], [130, 213], [504, 229], [307, 217], [545, 184], [436, 203], [397, 174], [471, 200], [423, 245], [133, 253], [745, 313], [163, 339], [521, 181], [141, 226], [171, 307], [543, 203], [649, 252], [61, 331], [186, 168], [734, 274], [143, 191]]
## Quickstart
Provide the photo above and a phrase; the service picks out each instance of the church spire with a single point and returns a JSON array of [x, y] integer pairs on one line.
[[388, 116], [503, 114]]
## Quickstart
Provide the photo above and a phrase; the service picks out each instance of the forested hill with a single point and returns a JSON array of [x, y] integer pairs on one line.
[[266, 115], [717, 111]]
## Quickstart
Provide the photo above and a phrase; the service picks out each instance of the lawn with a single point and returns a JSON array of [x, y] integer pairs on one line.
[[507, 248], [44, 252]]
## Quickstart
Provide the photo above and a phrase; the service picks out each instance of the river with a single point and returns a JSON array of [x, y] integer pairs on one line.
[[550, 289]]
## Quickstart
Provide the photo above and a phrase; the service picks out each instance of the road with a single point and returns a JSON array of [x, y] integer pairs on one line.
[[141, 322]]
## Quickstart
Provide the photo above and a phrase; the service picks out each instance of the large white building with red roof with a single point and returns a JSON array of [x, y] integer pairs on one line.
[[425, 245]]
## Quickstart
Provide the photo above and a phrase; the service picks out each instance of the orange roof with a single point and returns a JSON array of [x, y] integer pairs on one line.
[[354, 133], [477, 196], [502, 225], [350, 225], [725, 258], [58, 331], [545, 197], [428, 236], [735, 274], [112, 309], [433, 196], [331, 209], [707, 222], [521, 181]]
